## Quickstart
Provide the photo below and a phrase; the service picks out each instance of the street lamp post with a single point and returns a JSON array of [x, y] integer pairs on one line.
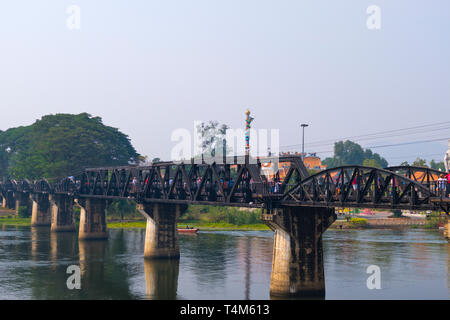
[[303, 125]]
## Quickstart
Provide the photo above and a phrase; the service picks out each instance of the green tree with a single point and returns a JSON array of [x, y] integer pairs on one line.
[[397, 213], [371, 163], [122, 208], [420, 163], [437, 165], [3, 163], [64, 144], [404, 164], [351, 153]]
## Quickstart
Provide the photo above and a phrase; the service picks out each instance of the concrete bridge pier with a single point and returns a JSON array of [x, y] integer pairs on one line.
[[92, 219], [297, 260], [9, 202], [23, 200], [62, 213], [41, 210], [161, 236]]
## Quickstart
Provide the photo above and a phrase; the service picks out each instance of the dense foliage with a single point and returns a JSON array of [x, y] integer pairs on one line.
[[217, 214], [61, 145], [423, 163], [351, 153], [122, 209], [358, 222]]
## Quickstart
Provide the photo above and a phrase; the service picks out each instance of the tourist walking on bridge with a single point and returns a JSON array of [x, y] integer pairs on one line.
[[442, 185], [448, 183]]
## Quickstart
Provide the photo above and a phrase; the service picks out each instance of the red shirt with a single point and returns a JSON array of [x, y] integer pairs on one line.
[[448, 177]]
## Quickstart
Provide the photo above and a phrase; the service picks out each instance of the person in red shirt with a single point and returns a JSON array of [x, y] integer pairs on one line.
[[448, 183]]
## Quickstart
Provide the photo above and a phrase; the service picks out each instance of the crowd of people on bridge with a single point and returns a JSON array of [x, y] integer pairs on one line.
[[211, 188], [443, 185]]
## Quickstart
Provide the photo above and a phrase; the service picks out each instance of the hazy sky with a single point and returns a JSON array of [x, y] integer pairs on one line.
[[150, 67]]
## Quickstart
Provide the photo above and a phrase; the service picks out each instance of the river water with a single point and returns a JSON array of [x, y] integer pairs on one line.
[[414, 264]]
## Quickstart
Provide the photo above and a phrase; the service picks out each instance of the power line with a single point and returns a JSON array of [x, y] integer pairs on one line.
[[379, 137], [384, 134], [393, 145], [400, 134], [415, 155], [406, 143]]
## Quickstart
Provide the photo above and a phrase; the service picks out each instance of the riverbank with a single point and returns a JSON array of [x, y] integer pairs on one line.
[[218, 226], [6, 212], [223, 226], [384, 223], [15, 221]]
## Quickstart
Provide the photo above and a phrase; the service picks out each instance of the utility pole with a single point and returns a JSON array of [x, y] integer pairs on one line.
[[303, 125]]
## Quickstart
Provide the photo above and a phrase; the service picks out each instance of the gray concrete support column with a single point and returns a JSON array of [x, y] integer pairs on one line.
[[9, 200], [62, 213], [92, 219], [297, 260], [161, 237], [41, 210], [23, 200]]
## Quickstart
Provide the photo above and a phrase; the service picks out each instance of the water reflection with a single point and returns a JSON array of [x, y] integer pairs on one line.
[[37, 245], [217, 265], [161, 279], [92, 259], [62, 245], [415, 264]]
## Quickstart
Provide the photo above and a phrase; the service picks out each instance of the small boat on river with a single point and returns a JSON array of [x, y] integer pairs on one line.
[[188, 230]]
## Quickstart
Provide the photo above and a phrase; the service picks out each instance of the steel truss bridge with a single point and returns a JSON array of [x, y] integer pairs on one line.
[[239, 182]]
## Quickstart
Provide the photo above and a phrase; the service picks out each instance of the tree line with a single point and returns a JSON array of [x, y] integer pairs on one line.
[[60, 145], [350, 153]]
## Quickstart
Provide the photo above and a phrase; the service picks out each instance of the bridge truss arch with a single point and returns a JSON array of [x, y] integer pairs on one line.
[[423, 175], [8, 185], [360, 186], [24, 186], [42, 186]]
